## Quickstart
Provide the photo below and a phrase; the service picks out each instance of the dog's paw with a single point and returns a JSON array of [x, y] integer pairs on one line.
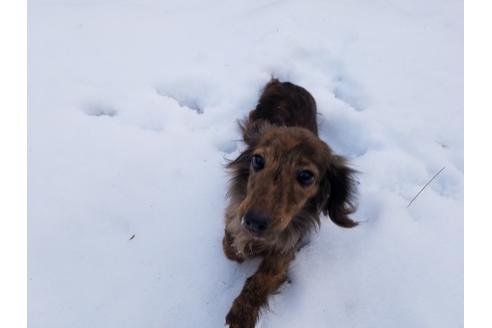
[[241, 316], [229, 251], [234, 255]]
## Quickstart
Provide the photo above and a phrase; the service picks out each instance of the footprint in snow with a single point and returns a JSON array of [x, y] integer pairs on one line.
[[226, 146], [184, 100], [350, 92], [99, 110]]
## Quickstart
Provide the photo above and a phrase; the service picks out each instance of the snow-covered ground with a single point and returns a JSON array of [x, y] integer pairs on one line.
[[132, 109]]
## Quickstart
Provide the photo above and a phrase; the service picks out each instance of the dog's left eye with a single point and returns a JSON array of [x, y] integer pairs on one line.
[[305, 177]]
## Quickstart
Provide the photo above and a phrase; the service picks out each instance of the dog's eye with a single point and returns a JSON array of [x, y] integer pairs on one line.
[[258, 162], [305, 177]]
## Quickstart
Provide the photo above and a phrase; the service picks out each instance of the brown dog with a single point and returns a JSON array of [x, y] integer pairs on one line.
[[280, 184]]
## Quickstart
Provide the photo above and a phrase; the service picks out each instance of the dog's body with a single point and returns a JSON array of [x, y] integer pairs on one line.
[[280, 185]]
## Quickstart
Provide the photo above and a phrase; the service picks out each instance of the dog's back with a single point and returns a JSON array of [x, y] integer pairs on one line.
[[286, 104]]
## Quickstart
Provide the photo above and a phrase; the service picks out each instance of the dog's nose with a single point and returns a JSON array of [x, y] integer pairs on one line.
[[256, 222]]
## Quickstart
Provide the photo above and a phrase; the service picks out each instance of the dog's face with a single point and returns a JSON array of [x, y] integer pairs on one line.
[[289, 169]]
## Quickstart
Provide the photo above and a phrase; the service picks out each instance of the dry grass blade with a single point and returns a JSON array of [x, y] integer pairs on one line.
[[425, 186]]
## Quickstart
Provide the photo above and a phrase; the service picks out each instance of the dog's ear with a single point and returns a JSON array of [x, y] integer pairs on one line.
[[252, 130], [337, 191]]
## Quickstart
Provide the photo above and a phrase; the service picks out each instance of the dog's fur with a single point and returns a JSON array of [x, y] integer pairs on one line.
[[282, 129]]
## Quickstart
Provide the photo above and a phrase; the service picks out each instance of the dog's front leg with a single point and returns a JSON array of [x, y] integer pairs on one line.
[[270, 275]]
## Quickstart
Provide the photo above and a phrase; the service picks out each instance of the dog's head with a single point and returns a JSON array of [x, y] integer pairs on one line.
[[286, 170]]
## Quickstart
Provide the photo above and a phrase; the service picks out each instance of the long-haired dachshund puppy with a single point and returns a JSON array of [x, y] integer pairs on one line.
[[280, 185]]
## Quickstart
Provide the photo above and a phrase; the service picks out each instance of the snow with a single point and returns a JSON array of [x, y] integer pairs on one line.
[[132, 109]]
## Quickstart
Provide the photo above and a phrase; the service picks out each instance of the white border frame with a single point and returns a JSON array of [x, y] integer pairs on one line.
[[478, 164], [13, 164]]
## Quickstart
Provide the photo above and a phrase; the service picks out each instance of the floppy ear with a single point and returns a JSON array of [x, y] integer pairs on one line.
[[252, 130], [337, 191], [240, 167]]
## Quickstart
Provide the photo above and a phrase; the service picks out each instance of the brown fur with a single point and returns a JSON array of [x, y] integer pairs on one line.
[[282, 129]]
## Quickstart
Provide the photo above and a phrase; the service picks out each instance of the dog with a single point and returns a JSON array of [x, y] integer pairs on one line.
[[279, 186]]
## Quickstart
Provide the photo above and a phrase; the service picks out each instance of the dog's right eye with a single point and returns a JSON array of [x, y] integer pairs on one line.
[[258, 162]]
